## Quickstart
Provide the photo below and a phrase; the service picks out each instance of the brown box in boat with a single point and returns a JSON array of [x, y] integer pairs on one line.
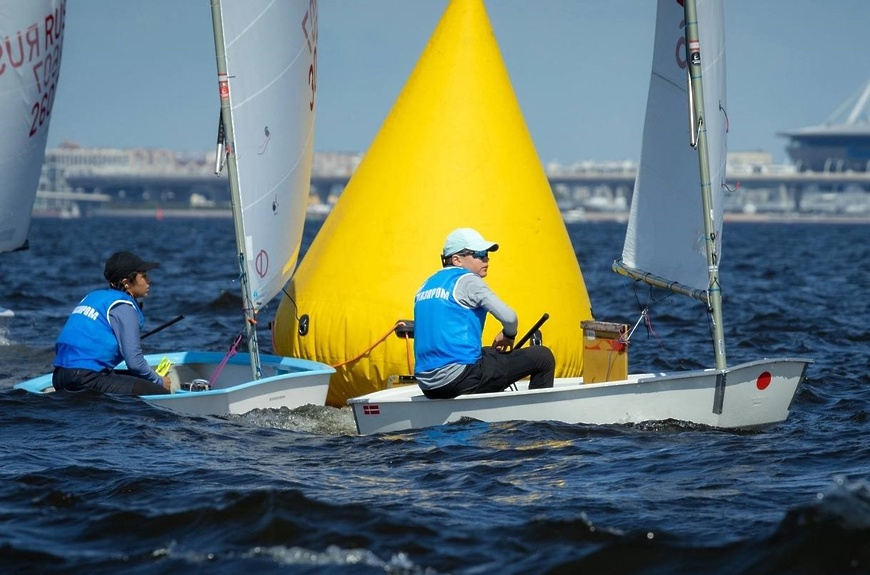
[[605, 353]]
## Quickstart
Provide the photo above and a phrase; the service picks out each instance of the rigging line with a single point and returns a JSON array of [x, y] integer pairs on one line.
[[249, 309], [232, 351], [373, 346], [729, 189], [295, 307], [649, 329], [650, 299], [393, 329], [643, 315]]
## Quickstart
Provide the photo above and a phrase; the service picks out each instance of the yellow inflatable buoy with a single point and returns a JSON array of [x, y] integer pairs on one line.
[[453, 152]]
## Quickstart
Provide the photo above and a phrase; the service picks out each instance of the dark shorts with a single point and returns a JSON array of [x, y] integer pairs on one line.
[[496, 371], [108, 381]]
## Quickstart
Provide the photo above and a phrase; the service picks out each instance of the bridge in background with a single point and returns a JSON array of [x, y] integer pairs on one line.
[[129, 178], [181, 187]]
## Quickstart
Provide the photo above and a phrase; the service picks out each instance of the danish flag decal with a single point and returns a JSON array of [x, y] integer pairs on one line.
[[371, 409]]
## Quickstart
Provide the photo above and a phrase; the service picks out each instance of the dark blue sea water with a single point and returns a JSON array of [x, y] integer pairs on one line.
[[96, 484]]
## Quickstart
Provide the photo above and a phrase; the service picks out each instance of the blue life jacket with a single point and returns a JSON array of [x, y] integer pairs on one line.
[[87, 341], [445, 331]]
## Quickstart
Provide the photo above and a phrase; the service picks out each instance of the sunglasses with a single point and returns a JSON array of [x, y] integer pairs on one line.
[[479, 254]]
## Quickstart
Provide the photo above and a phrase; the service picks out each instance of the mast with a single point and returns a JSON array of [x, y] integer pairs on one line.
[[696, 106], [233, 175]]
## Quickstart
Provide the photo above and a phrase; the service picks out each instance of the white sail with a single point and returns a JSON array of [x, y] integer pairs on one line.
[[271, 48], [665, 234], [31, 44]]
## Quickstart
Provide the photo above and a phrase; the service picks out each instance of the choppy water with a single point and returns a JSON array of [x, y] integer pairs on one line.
[[96, 484]]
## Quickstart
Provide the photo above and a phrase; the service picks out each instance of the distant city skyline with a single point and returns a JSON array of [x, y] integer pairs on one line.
[[143, 74]]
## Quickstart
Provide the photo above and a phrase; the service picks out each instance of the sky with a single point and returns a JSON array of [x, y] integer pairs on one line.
[[142, 74]]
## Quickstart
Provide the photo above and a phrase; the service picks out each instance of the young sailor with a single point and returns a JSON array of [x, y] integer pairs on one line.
[[103, 329]]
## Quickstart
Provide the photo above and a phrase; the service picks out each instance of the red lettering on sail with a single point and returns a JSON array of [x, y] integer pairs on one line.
[[680, 48], [261, 263], [37, 48], [309, 28]]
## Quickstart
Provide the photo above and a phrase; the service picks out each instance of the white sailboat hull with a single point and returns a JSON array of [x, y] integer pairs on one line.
[[287, 382], [737, 397]]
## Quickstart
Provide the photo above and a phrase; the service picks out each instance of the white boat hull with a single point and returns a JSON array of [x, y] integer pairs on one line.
[[286, 382], [749, 395]]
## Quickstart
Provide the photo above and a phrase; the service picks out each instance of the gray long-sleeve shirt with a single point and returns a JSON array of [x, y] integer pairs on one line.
[[125, 324]]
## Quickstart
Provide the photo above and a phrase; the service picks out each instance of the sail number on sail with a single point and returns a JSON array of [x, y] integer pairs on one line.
[[680, 48], [39, 47], [309, 27]]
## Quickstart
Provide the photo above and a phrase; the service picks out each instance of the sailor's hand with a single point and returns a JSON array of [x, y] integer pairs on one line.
[[503, 343]]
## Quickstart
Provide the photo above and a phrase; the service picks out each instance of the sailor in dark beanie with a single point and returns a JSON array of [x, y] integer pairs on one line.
[[103, 330], [122, 265]]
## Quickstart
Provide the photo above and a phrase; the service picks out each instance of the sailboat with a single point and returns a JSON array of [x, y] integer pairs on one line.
[[266, 65], [29, 71], [680, 181]]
